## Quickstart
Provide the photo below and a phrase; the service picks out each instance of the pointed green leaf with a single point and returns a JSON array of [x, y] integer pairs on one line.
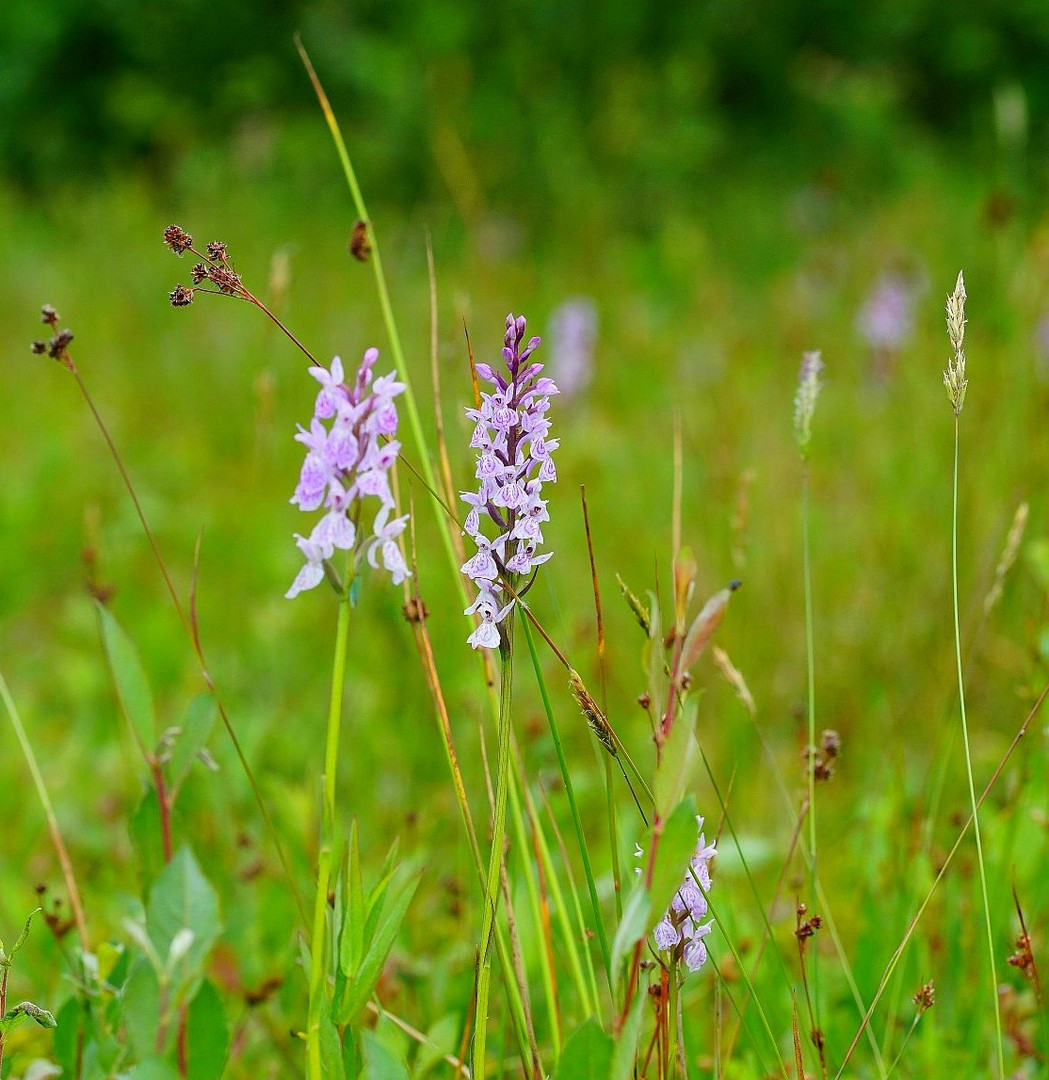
[[625, 1054], [22, 936], [207, 1034], [654, 659], [632, 926], [146, 840], [182, 898], [587, 1055], [198, 721], [678, 762], [331, 1050], [129, 679], [361, 983], [379, 1062], [441, 1039], [141, 1007], [676, 846]]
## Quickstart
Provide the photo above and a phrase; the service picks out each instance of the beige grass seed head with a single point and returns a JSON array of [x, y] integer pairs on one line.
[[954, 377], [810, 378]]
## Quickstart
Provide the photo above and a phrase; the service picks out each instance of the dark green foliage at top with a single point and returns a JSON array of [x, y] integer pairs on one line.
[[644, 90]]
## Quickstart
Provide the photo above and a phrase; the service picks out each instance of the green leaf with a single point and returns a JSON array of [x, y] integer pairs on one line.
[[22, 937], [66, 1042], [152, 1068], [622, 1067], [147, 840], [182, 898], [198, 721], [207, 1034], [360, 983], [678, 763], [653, 654], [587, 1055], [632, 926], [23, 1011], [331, 1050], [379, 1062], [141, 1007], [101, 1058], [129, 679], [676, 846], [441, 1039]]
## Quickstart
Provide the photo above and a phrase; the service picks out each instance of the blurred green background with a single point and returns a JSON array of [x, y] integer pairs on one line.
[[724, 185]]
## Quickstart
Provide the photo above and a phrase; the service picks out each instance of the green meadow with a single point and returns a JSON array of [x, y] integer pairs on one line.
[[706, 295]]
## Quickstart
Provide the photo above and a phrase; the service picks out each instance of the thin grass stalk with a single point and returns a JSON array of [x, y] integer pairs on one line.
[[762, 1015], [610, 802], [810, 662], [566, 777], [491, 899], [552, 895], [543, 947], [579, 932], [49, 814], [675, 1050], [968, 760], [894, 960], [517, 958], [425, 648], [318, 940]]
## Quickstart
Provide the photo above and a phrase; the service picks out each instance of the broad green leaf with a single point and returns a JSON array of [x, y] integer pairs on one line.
[[441, 1039], [182, 898], [198, 721], [678, 762], [676, 846], [331, 1050], [141, 1007], [622, 1067], [68, 1034], [379, 1062], [129, 679], [360, 984], [146, 840], [207, 1034], [101, 1057], [632, 926], [587, 1055], [152, 1068]]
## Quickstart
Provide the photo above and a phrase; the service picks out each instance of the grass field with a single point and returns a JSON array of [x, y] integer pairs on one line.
[[703, 317]]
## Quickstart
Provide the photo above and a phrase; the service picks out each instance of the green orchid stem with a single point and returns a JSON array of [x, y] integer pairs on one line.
[[318, 952], [969, 764], [566, 777], [495, 862]]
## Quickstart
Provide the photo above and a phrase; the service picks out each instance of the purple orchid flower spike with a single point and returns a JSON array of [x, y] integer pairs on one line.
[[511, 436], [347, 461]]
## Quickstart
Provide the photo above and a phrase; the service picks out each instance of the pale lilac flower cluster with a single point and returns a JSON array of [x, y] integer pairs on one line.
[[886, 319], [347, 461], [513, 462], [681, 930], [573, 332]]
